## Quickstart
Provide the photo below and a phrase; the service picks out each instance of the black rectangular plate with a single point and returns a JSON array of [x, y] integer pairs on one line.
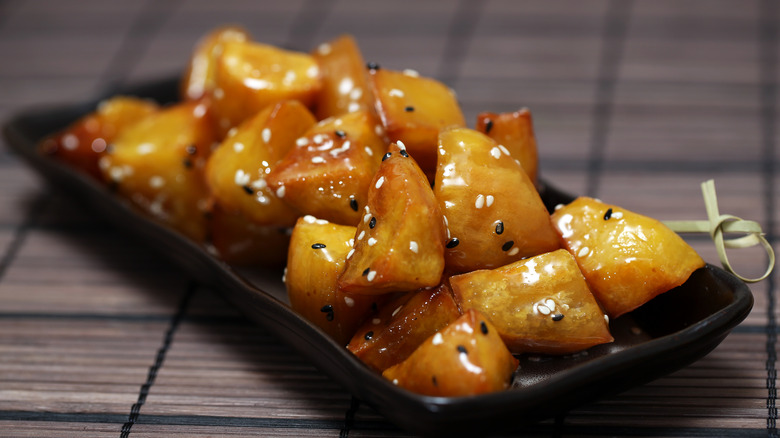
[[669, 333]]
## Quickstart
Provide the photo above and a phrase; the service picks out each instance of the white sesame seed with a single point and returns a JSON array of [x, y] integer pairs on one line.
[[346, 85], [489, 200], [397, 309], [410, 72], [376, 321], [284, 275], [199, 111], [558, 207], [503, 149], [480, 202], [583, 251], [351, 242], [241, 178], [414, 247], [396, 92], [324, 49], [437, 339], [317, 160], [319, 138], [371, 275], [301, 142], [353, 107], [495, 152], [145, 148], [369, 152], [156, 182], [617, 215], [266, 135], [379, 182], [513, 251], [312, 71], [401, 145], [349, 301], [361, 235], [259, 184], [366, 217], [321, 222], [606, 318], [350, 253], [262, 199], [371, 241], [238, 146], [544, 310], [280, 192], [378, 130], [356, 94], [232, 131], [366, 209], [309, 219], [550, 304]]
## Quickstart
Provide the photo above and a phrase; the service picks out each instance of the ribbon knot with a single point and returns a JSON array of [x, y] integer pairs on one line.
[[719, 224]]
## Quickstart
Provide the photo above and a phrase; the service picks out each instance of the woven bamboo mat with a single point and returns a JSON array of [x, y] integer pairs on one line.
[[634, 102]]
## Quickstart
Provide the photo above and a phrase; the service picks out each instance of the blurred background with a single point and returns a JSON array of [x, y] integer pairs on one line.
[[635, 102]]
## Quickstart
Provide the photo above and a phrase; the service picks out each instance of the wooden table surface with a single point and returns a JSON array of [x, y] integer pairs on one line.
[[634, 102]]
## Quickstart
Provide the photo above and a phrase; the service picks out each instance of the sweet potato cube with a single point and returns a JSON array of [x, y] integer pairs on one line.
[[494, 213], [413, 109], [515, 131], [238, 241], [82, 144], [467, 357], [251, 76], [238, 168], [345, 87], [199, 78], [327, 175], [315, 260], [539, 305], [402, 325], [627, 258], [157, 163], [399, 243]]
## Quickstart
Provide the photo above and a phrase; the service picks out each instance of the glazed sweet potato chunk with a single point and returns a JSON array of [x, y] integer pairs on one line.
[[399, 242], [327, 175], [238, 169], [494, 213], [199, 78], [467, 357], [83, 143], [315, 260], [345, 87], [627, 258], [251, 76], [402, 325], [515, 131], [241, 242], [413, 109], [158, 163], [541, 304]]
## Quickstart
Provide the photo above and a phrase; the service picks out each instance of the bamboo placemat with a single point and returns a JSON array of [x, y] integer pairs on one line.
[[636, 102]]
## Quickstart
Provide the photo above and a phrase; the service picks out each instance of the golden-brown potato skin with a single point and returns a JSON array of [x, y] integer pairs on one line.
[[465, 358], [241, 242], [401, 325], [345, 87], [399, 242], [541, 304], [157, 163], [493, 211], [83, 143], [199, 79], [627, 258], [237, 170], [515, 131], [314, 262], [413, 109]]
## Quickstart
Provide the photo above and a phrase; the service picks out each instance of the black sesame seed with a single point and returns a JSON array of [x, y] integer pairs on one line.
[[328, 311], [353, 204], [340, 133], [404, 153], [372, 223], [374, 307], [369, 335], [500, 227], [191, 149], [409, 109], [248, 190], [433, 380], [608, 214], [557, 317], [462, 349], [387, 155], [187, 163], [508, 245], [453, 243], [488, 126], [366, 271], [372, 66], [483, 327], [318, 246]]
